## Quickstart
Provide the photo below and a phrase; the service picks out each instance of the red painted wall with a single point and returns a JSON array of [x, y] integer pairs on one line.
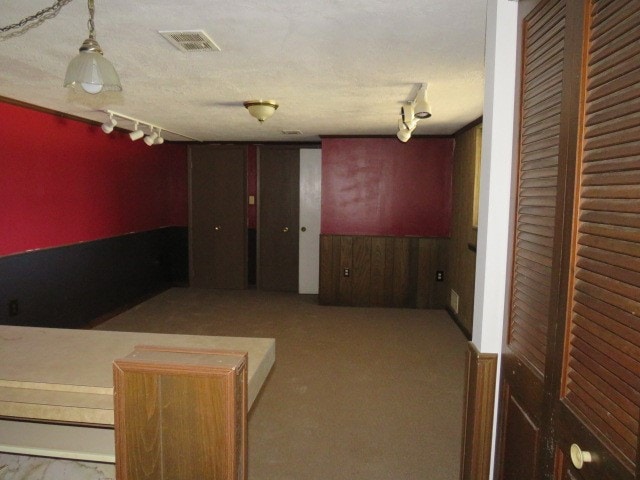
[[380, 186], [64, 181]]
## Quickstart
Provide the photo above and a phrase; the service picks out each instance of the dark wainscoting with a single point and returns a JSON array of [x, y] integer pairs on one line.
[[478, 414], [383, 271], [72, 286]]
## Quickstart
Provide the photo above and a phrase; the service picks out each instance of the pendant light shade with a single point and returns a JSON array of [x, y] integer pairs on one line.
[[89, 69]]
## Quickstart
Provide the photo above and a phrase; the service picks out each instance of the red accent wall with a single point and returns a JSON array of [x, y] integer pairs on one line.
[[380, 186], [64, 182]]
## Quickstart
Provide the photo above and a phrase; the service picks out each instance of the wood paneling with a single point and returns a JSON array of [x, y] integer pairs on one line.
[[461, 260], [478, 421], [180, 413], [383, 271]]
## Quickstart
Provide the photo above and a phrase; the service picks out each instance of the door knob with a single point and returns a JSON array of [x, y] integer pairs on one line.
[[579, 457], [304, 229], [217, 228], [285, 229]]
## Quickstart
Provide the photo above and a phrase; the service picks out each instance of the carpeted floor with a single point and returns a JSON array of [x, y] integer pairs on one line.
[[356, 393]]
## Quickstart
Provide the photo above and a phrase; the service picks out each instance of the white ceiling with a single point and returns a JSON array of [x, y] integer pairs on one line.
[[336, 67]]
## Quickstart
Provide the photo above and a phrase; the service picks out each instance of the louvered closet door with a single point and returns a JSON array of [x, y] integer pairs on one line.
[[524, 364], [600, 399]]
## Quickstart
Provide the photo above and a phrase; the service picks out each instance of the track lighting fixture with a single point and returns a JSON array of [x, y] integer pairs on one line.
[[422, 106], [151, 138], [137, 133], [107, 127], [154, 136], [407, 123], [89, 68], [411, 112]]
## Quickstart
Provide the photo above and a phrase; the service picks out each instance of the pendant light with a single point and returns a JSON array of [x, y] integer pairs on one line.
[[89, 69]]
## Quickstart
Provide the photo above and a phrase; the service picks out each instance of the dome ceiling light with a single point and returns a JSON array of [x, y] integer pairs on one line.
[[261, 109]]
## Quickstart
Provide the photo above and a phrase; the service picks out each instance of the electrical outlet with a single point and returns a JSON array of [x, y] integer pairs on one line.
[[14, 308], [346, 272], [440, 276]]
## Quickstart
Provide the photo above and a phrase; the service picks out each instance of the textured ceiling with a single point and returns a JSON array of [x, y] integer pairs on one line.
[[335, 67]]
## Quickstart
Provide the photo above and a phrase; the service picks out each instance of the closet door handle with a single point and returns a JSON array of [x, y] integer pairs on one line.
[[217, 228], [579, 457], [285, 229]]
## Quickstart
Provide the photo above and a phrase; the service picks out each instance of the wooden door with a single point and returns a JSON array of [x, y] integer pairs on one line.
[[570, 371], [525, 375], [218, 228], [279, 173], [598, 398]]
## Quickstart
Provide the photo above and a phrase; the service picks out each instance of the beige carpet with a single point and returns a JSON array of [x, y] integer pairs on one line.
[[356, 393]]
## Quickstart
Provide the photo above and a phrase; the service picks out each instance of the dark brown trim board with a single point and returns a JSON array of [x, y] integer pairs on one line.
[[478, 414]]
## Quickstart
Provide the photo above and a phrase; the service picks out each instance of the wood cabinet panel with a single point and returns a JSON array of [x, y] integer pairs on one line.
[[181, 413], [383, 271]]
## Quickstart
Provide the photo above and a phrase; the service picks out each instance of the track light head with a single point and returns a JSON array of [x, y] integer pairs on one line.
[[107, 127], [404, 132], [159, 140], [137, 133], [422, 107], [408, 117], [151, 138]]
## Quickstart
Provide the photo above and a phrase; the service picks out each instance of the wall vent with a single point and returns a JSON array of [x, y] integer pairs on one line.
[[190, 40], [291, 132], [453, 303]]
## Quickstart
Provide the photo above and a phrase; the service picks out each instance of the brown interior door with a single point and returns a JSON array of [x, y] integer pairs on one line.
[[279, 206], [598, 400], [218, 228], [525, 375], [571, 374]]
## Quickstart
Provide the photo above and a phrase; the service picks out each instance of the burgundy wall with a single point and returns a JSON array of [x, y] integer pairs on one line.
[[380, 186], [64, 182]]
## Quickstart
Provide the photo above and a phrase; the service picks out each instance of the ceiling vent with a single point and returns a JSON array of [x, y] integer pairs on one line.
[[190, 40]]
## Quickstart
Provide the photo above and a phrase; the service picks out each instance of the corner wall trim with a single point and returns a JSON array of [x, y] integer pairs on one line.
[[478, 414]]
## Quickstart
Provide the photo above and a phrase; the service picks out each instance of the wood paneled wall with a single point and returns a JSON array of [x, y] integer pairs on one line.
[[461, 256], [382, 271], [478, 421]]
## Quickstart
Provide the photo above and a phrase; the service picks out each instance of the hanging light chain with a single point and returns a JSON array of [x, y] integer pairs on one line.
[[40, 16], [90, 24]]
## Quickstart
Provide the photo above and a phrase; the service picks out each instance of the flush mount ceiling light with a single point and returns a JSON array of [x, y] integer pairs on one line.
[[89, 69], [261, 109]]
